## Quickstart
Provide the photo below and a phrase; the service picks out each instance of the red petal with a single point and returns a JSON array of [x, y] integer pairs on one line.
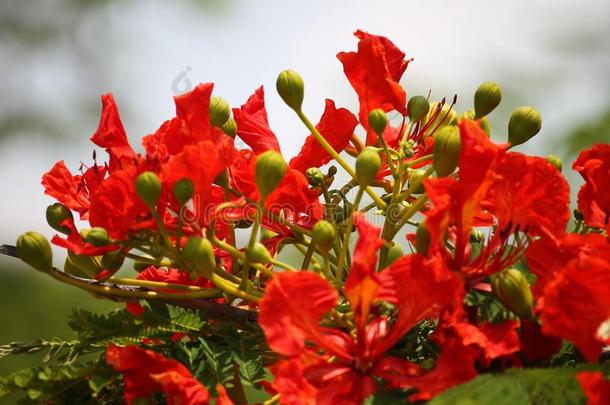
[[494, 340], [193, 108], [595, 386], [181, 390], [291, 384], [577, 302], [253, 126], [66, 188], [291, 309], [337, 127], [594, 166], [296, 199]]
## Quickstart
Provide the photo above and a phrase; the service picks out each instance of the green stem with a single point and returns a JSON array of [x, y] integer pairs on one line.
[[346, 236]]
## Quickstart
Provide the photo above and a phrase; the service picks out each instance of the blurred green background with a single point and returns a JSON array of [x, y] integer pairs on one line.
[[58, 56]]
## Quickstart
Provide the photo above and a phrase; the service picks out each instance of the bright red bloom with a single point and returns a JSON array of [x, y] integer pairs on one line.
[[294, 303], [577, 304], [171, 275], [593, 198], [146, 372], [494, 340], [336, 126], [374, 72], [253, 125], [595, 386]]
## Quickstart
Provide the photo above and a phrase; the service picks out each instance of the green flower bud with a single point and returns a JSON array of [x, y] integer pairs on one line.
[[416, 176], [230, 127], [88, 265], [555, 161], [314, 176], [270, 169], [323, 235], [487, 97], [183, 191], [96, 236], [394, 253], [113, 260], [469, 115], [378, 120], [446, 150], [368, 163], [512, 289], [56, 214], [418, 108], [291, 88], [198, 253], [71, 269], [148, 187], [258, 253], [220, 111], [34, 249], [422, 238], [524, 123]]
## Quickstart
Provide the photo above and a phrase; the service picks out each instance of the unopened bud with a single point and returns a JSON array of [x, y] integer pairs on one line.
[[258, 253], [323, 235], [220, 111], [71, 269], [34, 249], [418, 108], [230, 127], [512, 289], [487, 97], [148, 187], [394, 253], [446, 150], [291, 88], [198, 254], [314, 176], [368, 163], [270, 169], [88, 265], [417, 176], [96, 236], [524, 123], [555, 161], [422, 238], [378, 120], [183, 191], [112, 260], [56, 214]]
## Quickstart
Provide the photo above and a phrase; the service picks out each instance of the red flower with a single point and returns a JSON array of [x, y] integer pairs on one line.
[[146, 372], [337, 127], [494, 340], [253, 125], [170, 275], [593, 198], [324, 365], [595, 386], [374, 72], [577, 304]]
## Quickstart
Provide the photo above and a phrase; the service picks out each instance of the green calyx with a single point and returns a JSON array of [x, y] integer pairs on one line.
[[183, 191], [447, 147], [34, 249], [524, 123], [487, 97], [324, 235], [418, 107], [555, 161], [56, 214], [148, 187], [422, 238], [230, 127], [512, 289], [368, 164], [258, 253], [291, 88], [270, 170], [198, 253], [220, 111], [378, 121], [96, 236]]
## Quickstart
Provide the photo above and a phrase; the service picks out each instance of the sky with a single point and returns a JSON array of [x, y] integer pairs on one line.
[[553, 55]]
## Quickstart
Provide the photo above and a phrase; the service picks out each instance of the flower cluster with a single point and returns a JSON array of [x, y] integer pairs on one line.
[[472, 270]]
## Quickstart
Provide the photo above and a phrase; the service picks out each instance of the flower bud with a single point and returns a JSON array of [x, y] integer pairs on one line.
[[512, 289], [258, 253], [88, 265], [113, 260], [323, 235], [368, 163], [418, 108], [378, 121], [34, 249], [199, 256], [291, 88], [56, 214], [416, 176], [148, 187], [422, 238], [314, 176], [524, 123], [270, 169], [71, 269], [96, 236], [230, 127], [219, 111], [487, 97], [555, 161], [446, 150], [485, 126], [394, 253], [183, 191]]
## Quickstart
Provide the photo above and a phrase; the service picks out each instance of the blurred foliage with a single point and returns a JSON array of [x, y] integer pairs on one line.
[[596, 130]]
